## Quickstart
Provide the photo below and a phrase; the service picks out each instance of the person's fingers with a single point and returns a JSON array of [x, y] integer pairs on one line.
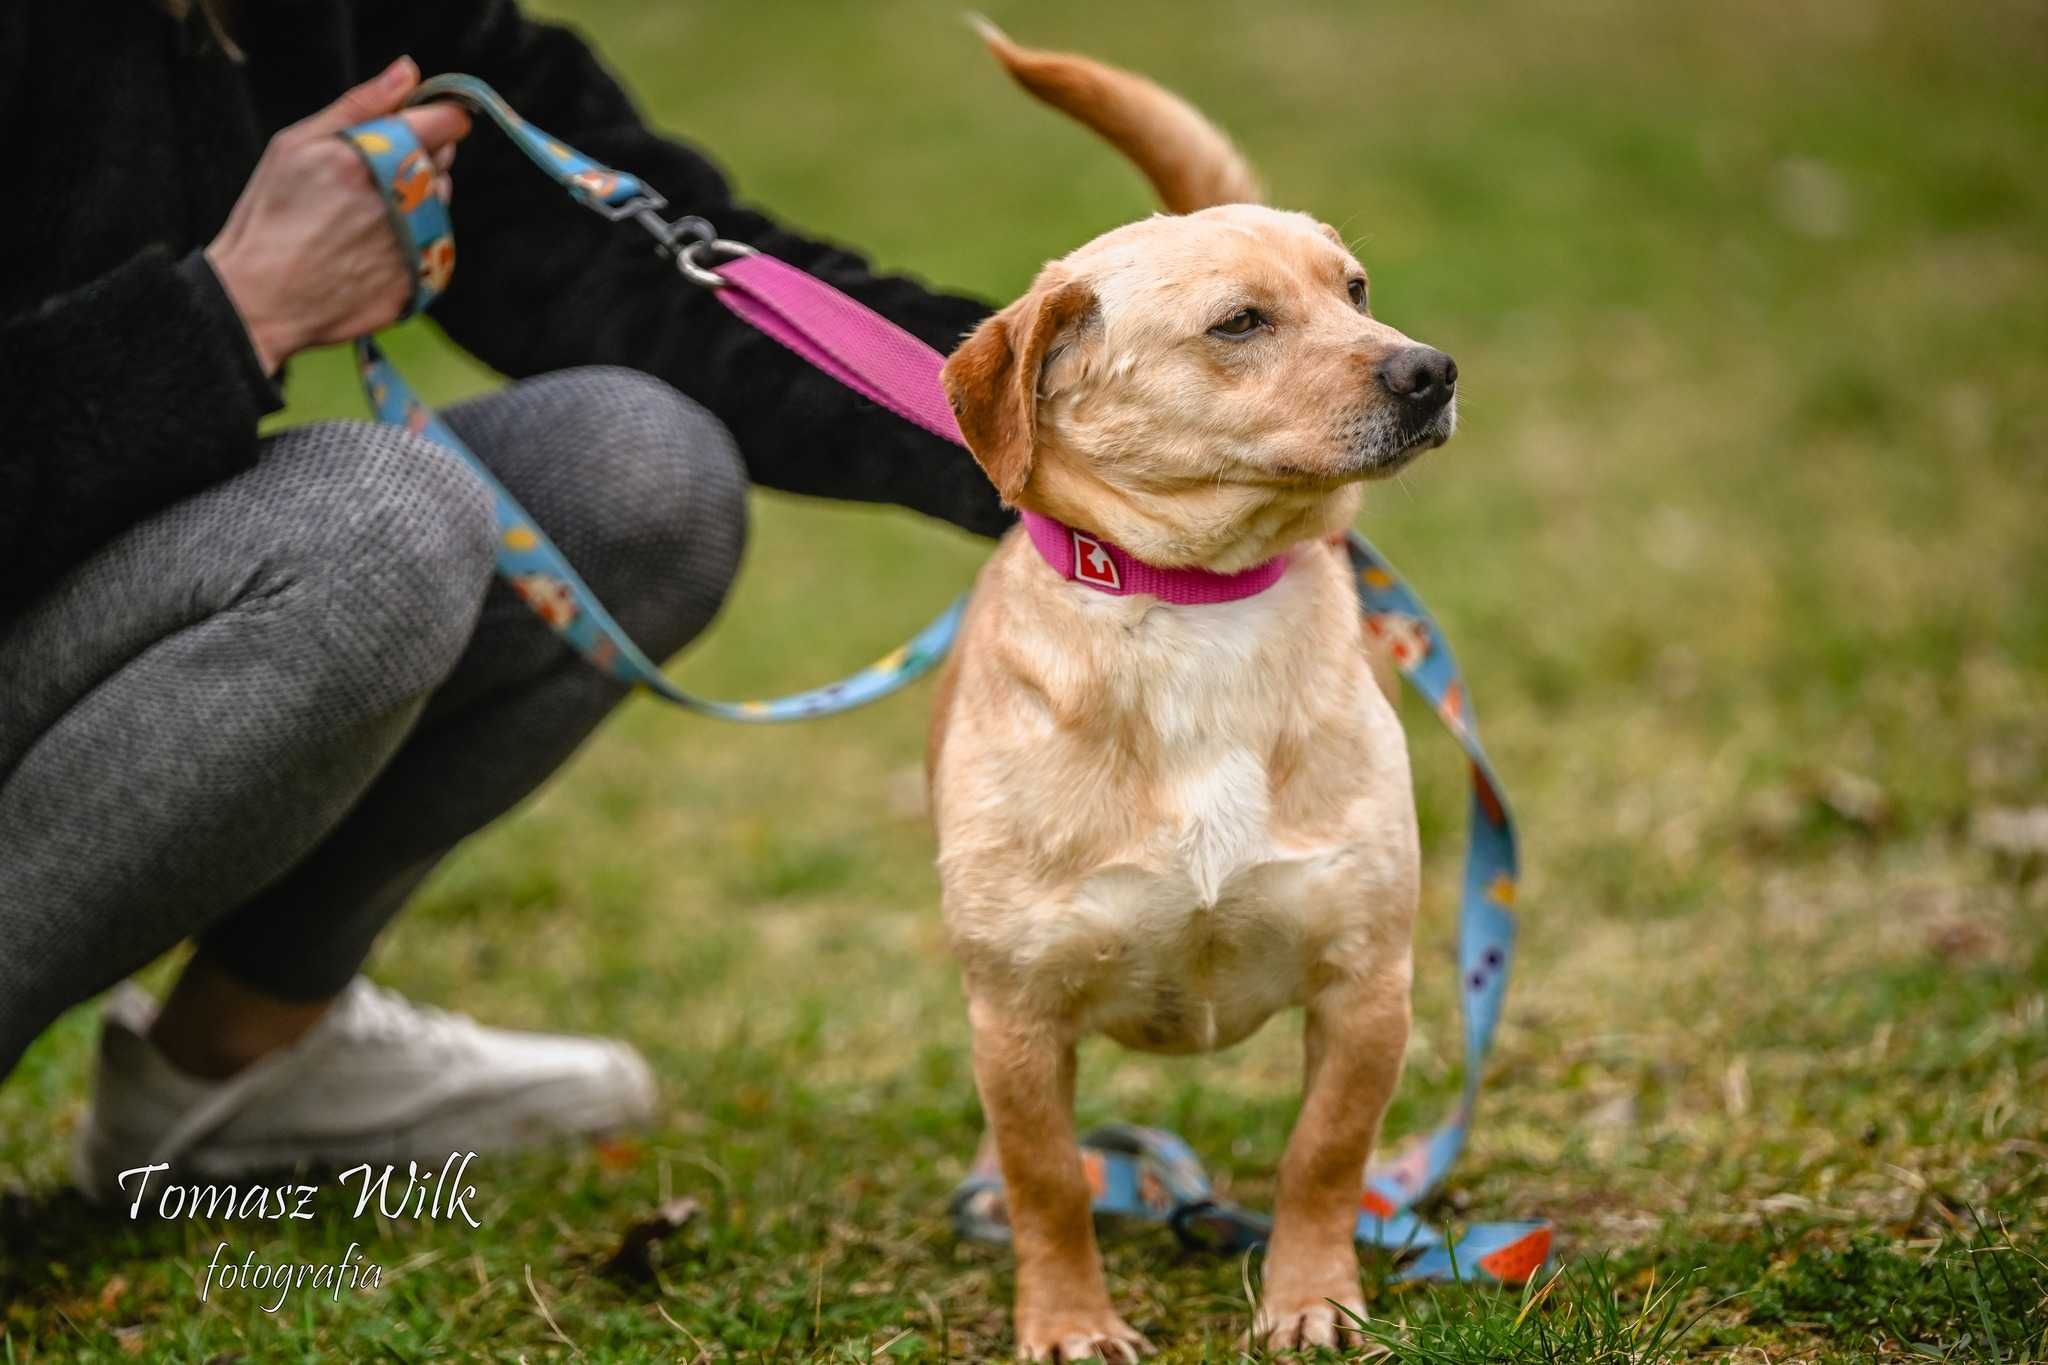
[[444, 184], [437, 125], [381, 94]]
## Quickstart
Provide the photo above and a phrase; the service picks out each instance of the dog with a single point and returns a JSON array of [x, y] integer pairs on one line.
[[1166, 823]]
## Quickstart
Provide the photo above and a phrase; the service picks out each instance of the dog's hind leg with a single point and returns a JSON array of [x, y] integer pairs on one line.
[[1025, 1073]]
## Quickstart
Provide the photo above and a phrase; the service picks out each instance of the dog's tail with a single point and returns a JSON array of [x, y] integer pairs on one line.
[[1190, 162]]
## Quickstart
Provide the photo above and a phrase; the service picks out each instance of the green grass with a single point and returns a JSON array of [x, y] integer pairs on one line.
[[1742, 547]]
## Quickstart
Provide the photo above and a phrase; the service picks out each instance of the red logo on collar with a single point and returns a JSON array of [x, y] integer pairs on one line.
[[1092, 563]]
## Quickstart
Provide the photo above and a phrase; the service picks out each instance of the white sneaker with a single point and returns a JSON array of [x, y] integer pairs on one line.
[[378, 1079]]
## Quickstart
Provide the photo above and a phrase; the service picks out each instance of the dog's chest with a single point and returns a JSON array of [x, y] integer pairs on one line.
[[1211, 920], [1211, 726], [1212, 928]]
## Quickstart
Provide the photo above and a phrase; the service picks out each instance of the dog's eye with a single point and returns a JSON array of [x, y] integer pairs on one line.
[[1358, 294], [1240, 324]]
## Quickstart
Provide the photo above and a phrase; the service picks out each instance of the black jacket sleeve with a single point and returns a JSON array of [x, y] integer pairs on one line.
[[542, 283], [120, 396]]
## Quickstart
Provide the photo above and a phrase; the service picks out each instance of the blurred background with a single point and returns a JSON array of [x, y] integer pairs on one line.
[[1741, 545]]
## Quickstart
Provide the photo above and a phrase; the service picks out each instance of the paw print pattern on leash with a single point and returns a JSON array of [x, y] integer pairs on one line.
[[1405, 638]]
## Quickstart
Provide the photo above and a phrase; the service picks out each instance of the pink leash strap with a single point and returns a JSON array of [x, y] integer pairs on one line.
[[858, 347], [888, 366]]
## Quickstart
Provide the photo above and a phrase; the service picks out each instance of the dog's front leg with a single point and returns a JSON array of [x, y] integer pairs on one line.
[[1025, 1072], [1356, 1033]]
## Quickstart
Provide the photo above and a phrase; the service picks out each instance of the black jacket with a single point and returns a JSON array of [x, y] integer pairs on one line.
[[126, 381]]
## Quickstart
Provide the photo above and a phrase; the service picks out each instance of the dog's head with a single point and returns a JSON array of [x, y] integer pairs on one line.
[[1202, 389]]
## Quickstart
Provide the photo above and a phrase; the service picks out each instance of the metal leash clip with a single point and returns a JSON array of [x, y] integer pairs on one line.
[[682, 239], [646, 211], [696, 271], [644, 208]]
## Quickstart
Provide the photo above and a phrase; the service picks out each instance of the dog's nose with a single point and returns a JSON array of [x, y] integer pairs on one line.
[[1421, 375]]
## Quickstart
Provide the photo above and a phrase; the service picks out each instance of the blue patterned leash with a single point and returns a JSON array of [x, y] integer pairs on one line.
[[527, 558], [1140, 1172]]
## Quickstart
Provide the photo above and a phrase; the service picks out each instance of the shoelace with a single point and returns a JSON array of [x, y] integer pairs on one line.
[[369, 1011]]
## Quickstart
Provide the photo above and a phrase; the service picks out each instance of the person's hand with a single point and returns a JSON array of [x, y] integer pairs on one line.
[[308, 255]]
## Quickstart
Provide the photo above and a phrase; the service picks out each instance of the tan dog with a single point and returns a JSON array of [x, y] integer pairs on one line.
[[1166, 823]]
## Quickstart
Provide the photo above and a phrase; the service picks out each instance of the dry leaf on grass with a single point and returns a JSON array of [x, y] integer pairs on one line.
[[634, 1260]]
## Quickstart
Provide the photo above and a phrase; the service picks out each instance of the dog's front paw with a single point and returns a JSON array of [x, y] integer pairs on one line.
[[1070, 1335], [1291, 1322]]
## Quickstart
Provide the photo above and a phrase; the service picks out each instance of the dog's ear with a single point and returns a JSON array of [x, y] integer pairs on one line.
[[992, 378]]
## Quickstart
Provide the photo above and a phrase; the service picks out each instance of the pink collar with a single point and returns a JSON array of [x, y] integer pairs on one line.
[[1095, 562]]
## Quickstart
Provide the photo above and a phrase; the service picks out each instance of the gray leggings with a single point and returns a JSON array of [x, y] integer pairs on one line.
[[259, 718]]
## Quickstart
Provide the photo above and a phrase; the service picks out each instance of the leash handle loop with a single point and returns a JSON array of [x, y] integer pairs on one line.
[[611, 193], [404, 174]]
